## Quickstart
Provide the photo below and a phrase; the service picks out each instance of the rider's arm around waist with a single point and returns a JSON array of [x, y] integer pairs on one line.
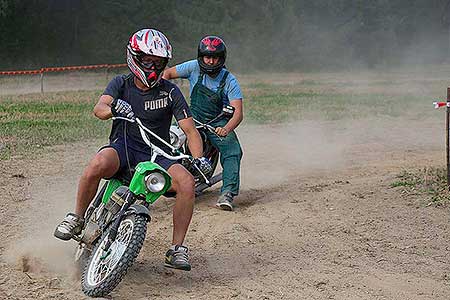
[[170, 73]]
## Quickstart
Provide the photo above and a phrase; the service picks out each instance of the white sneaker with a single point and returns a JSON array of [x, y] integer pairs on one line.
[[178, 258], [225, 201], [70, 226]]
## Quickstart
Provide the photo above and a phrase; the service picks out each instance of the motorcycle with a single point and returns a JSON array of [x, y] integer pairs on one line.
[[178, 141], [116, 219]]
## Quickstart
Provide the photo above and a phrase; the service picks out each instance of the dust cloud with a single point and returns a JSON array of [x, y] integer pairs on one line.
[[38, 251], [275, 154], [53, 195], [42, 253]]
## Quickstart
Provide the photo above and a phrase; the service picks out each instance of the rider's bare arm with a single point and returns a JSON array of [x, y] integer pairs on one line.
[[170, 73], [193, 137], [102, 109], [234, 121]]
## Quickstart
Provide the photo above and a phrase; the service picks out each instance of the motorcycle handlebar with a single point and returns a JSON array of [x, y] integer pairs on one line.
[[158, 150], [208, 127]]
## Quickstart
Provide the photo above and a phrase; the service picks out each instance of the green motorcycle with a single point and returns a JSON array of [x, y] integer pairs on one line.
[[116, 220]]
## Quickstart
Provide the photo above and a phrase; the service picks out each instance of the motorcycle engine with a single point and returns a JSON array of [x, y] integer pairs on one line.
[[103, 215], [177, 136], [117, 200]]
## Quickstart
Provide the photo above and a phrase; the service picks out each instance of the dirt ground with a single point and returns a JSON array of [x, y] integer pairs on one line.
[[317, 218]]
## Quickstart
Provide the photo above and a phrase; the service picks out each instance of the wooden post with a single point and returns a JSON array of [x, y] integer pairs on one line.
[[447, 139], [107, 74], [42, 81]]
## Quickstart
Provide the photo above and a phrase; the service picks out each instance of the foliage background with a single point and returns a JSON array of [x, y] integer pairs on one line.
[[288, 35]]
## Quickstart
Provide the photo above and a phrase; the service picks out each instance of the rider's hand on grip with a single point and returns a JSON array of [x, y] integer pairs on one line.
[[221, 131], [203, 164], [121, 108]]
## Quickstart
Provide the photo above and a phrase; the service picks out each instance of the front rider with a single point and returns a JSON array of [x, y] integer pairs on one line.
[[211, 87], [154, 101]]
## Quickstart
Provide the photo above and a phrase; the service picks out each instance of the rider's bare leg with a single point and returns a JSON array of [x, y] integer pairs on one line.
[[104, 165], [184, 185]]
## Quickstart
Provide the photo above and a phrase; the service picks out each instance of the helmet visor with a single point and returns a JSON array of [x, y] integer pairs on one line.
[[150, 62]]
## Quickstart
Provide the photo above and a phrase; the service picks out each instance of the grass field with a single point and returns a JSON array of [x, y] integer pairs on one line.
[[32, 121]]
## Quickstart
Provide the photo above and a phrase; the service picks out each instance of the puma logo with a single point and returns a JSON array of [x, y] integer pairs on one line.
[[156, 104]]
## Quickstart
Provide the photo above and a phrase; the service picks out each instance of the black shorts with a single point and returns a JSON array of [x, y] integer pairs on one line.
[[134, 157]]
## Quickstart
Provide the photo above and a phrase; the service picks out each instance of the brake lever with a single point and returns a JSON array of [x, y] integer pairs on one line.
[[213, 130]]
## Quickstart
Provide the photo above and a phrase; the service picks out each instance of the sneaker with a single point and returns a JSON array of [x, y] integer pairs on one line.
[[70, 226], [225, 201], [177, 258]]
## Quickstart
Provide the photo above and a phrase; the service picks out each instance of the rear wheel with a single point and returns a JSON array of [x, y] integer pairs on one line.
[[103, 272], [213, 157], [211, 153], [200, 185]]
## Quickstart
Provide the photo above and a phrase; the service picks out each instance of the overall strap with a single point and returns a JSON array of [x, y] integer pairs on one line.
[[200, 78], [224, 79]]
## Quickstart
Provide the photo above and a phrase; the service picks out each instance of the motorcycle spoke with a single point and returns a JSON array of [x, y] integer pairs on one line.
[[99, 268]]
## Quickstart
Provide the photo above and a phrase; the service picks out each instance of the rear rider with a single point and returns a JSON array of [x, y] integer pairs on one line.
[[212, 86]]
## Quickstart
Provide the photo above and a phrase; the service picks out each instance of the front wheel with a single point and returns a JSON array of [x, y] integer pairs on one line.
[[102, 274], [81, 256]]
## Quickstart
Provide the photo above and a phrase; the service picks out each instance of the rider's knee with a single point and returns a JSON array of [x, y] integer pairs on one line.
[[232, 152], [185, 184], [188, 181], [98, 167]]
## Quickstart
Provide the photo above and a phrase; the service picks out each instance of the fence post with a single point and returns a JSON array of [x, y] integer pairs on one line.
[[42, 80], [447, 138], [107, 73]]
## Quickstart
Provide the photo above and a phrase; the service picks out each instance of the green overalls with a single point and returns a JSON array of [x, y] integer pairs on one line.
[[205, 106]]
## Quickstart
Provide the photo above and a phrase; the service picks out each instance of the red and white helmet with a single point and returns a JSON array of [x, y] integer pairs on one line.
[[148, 42]]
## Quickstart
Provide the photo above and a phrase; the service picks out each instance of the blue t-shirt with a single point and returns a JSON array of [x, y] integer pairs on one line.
[[191, 70]]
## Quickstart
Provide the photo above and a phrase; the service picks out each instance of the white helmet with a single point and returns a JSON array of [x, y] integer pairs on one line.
[[148, 42]]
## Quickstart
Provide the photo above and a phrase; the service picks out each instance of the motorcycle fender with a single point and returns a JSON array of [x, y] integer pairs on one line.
[[139, 209]]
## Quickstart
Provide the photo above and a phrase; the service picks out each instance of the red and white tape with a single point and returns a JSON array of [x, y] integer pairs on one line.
[[61, 69], [441, 104]]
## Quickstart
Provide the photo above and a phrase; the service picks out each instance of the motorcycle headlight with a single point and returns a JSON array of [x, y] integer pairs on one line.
[[155, 182]]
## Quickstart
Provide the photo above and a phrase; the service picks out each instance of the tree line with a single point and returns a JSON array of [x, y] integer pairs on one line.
[[290, 35]]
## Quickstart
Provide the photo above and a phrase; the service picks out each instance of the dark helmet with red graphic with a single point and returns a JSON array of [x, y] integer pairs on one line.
[[148, 42], [213, 46]]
